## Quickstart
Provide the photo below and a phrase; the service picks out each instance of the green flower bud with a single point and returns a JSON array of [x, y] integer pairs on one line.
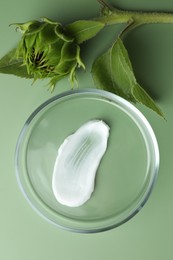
[[48, 51]]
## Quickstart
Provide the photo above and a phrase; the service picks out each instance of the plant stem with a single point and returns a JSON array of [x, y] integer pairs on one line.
[[118, 16]]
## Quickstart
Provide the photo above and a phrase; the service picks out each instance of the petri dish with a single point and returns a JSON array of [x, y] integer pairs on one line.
[[126, 174]]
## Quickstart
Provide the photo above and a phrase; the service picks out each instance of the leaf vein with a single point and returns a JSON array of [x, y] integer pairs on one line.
[[86, 29]]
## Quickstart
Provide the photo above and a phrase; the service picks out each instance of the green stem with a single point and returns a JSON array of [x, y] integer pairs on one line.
[[118, 16]]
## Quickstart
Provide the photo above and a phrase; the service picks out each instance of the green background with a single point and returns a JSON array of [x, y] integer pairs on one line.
[[23, 234]]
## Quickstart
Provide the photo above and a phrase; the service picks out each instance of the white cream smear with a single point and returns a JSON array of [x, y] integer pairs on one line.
[[77, 161]]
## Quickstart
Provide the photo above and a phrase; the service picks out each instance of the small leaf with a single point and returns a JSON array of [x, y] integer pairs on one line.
[[62, 34], [9, 64], [84, 30], [47, 34], [69, 51], [64, 67], [113, 72]]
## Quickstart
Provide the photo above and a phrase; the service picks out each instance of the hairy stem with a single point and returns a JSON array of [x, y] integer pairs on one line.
[[117, 16]]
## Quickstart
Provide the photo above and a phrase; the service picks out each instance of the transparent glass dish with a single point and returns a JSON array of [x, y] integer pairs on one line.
[[125, 176]]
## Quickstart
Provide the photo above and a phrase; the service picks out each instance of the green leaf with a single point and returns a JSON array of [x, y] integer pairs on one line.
[[84, 30], [113, 72], [141, 96], [62, 34], [64, 67], [47, 34], [69, 51], [9, 64]]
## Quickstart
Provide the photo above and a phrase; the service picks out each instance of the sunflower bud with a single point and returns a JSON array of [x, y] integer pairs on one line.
[[48, 51]]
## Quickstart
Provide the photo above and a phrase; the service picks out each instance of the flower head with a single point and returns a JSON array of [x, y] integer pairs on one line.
[[48, 51]]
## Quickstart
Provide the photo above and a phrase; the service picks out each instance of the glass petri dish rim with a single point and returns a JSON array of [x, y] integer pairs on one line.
[[141, 122]]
